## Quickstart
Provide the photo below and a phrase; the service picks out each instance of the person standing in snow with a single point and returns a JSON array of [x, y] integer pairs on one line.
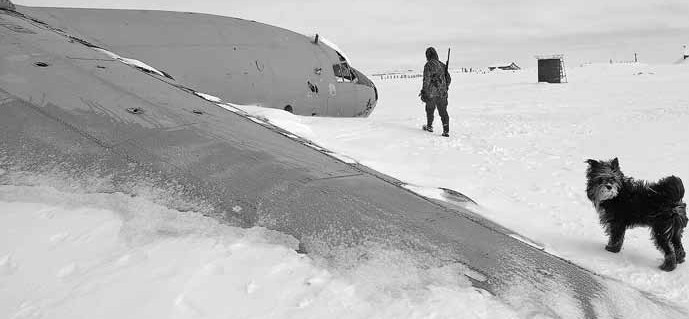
[[436, 81]]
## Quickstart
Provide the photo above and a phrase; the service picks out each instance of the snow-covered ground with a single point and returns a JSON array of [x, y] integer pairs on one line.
[[516, 147], [80, 255]]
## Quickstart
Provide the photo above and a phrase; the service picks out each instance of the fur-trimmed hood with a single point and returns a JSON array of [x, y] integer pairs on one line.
[[431, 54]]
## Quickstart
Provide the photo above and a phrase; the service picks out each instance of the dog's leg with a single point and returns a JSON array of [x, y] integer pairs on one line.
[[677, 243], [616, 233], [662, 235]]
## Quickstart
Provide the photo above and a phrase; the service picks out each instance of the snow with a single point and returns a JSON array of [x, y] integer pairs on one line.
[[91, 255], [331, 44], [517, 148], [500, 64], [208, 97], [133, 62]]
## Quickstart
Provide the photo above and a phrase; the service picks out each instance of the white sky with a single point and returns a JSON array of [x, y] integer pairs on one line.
[[384, 34]]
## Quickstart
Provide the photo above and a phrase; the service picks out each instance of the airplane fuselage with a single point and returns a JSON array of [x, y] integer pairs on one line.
[[240, 61]]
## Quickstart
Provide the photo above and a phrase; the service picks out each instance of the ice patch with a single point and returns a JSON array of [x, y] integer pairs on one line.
[[292, 136], [475, 275], [231, 107], [314, 146], [257, 120], [343, 158], [527, 241], [133, 62], [208, 97], [429, 192]]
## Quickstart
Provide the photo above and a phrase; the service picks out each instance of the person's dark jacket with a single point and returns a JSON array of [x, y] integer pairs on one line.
[[435, 78]]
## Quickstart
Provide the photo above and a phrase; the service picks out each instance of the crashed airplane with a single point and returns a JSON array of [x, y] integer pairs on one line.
[[79, 101], [240, 61]]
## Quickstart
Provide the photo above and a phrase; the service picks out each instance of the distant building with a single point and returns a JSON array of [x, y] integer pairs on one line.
[[551, 68], [504, 66]]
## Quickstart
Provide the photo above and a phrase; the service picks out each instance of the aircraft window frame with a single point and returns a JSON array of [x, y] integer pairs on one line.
[[344, 73], [362, 79], [342, 58]]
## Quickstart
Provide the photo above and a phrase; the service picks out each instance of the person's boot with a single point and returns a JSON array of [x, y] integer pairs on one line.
[[446, 130], [428, 128]]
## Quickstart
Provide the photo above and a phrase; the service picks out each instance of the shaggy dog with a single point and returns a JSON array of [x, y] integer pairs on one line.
[[623, 202]]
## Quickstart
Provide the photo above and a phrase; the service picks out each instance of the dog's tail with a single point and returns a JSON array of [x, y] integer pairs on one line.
[[671, 188], [679, 216], [672, 191]]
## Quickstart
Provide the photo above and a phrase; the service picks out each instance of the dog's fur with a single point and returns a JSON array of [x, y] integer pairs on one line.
[[623, 202]]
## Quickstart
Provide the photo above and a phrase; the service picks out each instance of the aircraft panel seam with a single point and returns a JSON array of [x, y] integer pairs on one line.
[[332, 177], [69, 126], [119, 143]]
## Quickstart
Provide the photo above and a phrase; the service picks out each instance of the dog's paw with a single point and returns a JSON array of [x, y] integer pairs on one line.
[[613, 249], [666, 266], [670, 263]]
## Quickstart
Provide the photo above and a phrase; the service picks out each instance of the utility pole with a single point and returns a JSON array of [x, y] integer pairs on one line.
[[635, 58]]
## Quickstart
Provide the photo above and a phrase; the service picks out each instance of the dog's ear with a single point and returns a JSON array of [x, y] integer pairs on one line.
[[615, 164], [592, 162]]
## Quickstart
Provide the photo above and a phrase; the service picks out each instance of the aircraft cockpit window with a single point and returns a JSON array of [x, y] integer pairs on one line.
[[344, 73], [362, 79]]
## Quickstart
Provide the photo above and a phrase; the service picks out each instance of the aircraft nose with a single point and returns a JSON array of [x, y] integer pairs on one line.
[[370, 98], [370, 102]]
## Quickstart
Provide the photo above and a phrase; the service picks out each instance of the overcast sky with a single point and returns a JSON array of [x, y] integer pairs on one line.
[[387, 34]]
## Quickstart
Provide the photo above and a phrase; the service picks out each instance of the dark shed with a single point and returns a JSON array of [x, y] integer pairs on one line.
[[551, 69]]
